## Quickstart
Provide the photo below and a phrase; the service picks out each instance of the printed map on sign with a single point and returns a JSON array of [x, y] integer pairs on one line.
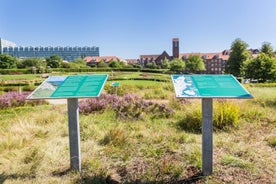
[[208, 86], [79, 86]]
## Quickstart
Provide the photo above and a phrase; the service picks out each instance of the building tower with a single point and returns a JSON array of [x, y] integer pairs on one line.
[[175, 49]]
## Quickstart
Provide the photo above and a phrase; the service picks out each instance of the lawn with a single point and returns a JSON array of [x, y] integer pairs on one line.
[[148, 148]]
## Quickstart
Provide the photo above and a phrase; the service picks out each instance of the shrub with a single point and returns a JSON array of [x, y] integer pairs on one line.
[[225, 116], [10, 88], [191, 121], [271, 141], [15, 99], [28, 88], [128, 106]]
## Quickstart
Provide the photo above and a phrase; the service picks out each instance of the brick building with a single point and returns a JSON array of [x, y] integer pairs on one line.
[[215, 63]]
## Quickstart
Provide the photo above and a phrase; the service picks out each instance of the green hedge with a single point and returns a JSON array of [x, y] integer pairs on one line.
[[263, 85], [65, 70], [14, 71]]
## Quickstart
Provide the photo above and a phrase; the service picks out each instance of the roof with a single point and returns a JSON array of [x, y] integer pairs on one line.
[[98, 59], [149, 56], [211, 55]]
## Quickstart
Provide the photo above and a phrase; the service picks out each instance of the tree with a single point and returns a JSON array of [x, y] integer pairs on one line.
[[7, 61], [262, 68], [151, 65], [114, 64], [54, 61], [195, 63], [238, 56], [165, 64], [267, 49], [30, 62], [102, 64], [177, 64]]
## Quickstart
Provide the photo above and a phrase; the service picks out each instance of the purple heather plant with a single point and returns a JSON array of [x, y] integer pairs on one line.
[[15, 99], [128, 106]]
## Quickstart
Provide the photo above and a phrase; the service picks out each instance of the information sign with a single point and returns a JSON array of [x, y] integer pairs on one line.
[[115, 84], [208, 86], [79, 86], [72, 88]]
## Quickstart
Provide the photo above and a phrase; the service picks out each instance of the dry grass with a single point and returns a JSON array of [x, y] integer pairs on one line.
[[34, 147]]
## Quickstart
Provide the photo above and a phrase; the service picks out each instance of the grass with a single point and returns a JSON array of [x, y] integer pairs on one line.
[[34, 144]]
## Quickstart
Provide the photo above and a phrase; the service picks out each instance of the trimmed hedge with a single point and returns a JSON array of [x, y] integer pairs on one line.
[[65, 70], [14, 71]]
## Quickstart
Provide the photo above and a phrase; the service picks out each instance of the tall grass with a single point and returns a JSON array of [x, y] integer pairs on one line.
[[34, 145]]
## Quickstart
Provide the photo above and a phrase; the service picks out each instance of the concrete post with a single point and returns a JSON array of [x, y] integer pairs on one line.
[[207, 136], [74, 133]]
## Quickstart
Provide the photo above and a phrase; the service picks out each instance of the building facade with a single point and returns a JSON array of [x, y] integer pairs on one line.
[[66, 53], [215, 63]]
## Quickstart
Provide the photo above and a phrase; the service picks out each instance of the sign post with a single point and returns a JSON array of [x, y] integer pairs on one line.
[[115, 85], [207, 136], [208, 87], [71, 88], [74, 133]]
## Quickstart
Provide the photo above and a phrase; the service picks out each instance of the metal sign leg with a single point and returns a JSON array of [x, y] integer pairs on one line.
[[74, 133], [207, 136]]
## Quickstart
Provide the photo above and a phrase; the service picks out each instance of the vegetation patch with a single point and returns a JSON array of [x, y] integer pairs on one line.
[[225, 116], [15, 99], [235, 162], [272, 141], [129, 106]]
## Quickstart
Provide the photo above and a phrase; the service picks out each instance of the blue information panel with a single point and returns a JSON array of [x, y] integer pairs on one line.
[[208, 86]]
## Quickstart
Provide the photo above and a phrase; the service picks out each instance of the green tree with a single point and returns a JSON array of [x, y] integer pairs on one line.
[[7, 61], [262, 68], [114, 64], [102, 64], [165, 64], [267, 49], [195, 63], [151, 65], [137, 65], [54, 61], [122, 64], [177, 64], [30, 62], [238, 56]]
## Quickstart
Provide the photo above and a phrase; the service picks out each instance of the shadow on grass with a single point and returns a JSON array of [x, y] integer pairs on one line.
[[189, 126], [86, 179]]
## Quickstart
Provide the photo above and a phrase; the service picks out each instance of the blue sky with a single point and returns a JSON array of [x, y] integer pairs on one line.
[[129, 28]]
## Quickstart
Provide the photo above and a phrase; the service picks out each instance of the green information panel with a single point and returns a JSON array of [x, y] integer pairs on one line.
[[115, 84], [79, 86], [208, 86]]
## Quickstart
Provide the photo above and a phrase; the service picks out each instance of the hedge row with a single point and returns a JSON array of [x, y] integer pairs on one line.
[[15, 71], [65, 70]]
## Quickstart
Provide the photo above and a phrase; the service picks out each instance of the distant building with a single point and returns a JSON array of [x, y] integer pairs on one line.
[[4, 44], [159, 58], [66, 53], [132, 61], [96, 59], [175, 48], [215, 63]]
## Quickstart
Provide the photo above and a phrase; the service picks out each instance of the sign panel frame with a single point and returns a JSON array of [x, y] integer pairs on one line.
[[208, 86], [72, 86]]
